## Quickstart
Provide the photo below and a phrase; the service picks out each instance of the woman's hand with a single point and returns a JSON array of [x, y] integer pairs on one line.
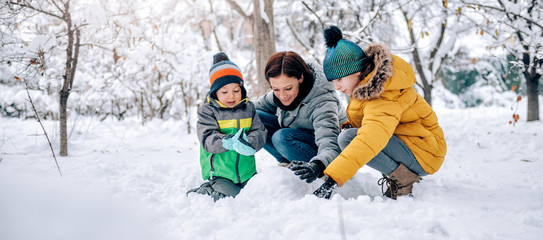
[[307, 171]]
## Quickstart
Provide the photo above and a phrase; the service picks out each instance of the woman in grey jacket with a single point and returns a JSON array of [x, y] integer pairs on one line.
[[302, 114]]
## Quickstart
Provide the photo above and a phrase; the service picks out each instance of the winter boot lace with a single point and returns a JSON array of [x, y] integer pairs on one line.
[[398, 183]]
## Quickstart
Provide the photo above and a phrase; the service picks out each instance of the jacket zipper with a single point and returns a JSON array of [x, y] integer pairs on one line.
[[237, 157], [211, 161], [237, 168]]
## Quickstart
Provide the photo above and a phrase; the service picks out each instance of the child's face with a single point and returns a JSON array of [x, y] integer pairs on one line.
[[347, 84], [229, 95]]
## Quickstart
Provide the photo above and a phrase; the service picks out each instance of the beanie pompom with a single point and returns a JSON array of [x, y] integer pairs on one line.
[[219, 57], [332, 35], [343, 57]]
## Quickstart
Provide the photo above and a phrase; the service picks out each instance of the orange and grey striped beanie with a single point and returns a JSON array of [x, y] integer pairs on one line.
[[223, 72]]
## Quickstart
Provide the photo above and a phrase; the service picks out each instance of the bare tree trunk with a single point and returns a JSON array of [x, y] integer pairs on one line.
[[532, 87], [426, 86], [264, 38], [264, 42], [63, 125], [67, 84], [142, 110], [532, 84], [185, 101], [531, 65]]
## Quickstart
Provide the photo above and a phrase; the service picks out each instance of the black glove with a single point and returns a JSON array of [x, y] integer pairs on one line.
[[326, 189], [307, 171]]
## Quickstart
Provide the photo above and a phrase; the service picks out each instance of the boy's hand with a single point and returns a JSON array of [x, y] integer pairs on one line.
[[228, 142], [242, 146], [239, 143]]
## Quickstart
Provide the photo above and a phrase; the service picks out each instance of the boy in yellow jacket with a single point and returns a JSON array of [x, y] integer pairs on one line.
[[391, 127]]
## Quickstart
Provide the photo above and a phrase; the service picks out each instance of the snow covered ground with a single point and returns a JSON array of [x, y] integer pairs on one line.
[[127, 181]]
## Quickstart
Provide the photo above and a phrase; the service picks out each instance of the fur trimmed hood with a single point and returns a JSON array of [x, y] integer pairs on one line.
[[372, 85]]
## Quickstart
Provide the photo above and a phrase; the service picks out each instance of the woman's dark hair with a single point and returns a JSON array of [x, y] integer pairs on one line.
[[288, 63], [292, 65]]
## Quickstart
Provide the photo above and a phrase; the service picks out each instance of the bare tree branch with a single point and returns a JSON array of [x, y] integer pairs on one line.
[[56, 5], [76, 56], [426, 85], [215, 31], [234, 5], [439, 42], [36, 9], [314, 13], [300, 41], [43, 128], [531, 21], [377, 13]]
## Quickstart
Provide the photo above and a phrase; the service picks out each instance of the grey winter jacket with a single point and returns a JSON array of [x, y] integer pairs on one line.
[[320, 111], [214, 123]]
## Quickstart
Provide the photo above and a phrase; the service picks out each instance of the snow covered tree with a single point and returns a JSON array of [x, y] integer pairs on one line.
[[514, 25], [59, 11], [428, 27], [59, 38], [302, 24], [156, 64], [422, 28], [262, 20]]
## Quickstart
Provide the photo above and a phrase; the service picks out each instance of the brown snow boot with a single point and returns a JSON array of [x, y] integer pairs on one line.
[[399, 183]]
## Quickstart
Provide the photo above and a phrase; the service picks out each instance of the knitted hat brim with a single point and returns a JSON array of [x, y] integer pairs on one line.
[[339, 71], [223, 81]]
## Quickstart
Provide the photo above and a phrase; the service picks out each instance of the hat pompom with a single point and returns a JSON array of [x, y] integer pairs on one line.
[[219, 57], [332, 35]]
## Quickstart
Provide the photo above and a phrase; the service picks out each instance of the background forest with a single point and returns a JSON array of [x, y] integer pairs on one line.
[[135, 58]]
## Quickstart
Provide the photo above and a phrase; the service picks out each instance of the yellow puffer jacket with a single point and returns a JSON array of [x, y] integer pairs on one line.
[[386, 103]]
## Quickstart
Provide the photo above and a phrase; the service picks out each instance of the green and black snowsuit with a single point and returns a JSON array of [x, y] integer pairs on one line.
[[215, 121]]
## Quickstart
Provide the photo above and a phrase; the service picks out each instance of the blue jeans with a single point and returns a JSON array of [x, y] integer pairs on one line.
[[287, 144], [394, 153]]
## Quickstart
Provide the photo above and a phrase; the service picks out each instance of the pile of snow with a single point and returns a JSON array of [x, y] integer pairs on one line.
[[122, 180]]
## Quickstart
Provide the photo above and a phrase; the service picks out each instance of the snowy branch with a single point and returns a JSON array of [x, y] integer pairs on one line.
[[314, 13], [528, 20], [239, 10], [37, 9], [300, 41]]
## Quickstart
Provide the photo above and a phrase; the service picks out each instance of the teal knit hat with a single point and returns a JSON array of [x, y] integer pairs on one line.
[[343, 57]]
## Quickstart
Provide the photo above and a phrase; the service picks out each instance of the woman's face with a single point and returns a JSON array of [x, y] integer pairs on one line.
[[347, 84], [285, 88]]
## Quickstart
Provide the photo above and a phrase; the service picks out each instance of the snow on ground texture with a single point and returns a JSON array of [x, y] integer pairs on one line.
[[127, 181]]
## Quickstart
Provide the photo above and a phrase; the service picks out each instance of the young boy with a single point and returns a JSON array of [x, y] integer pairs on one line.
[[230, 132]]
